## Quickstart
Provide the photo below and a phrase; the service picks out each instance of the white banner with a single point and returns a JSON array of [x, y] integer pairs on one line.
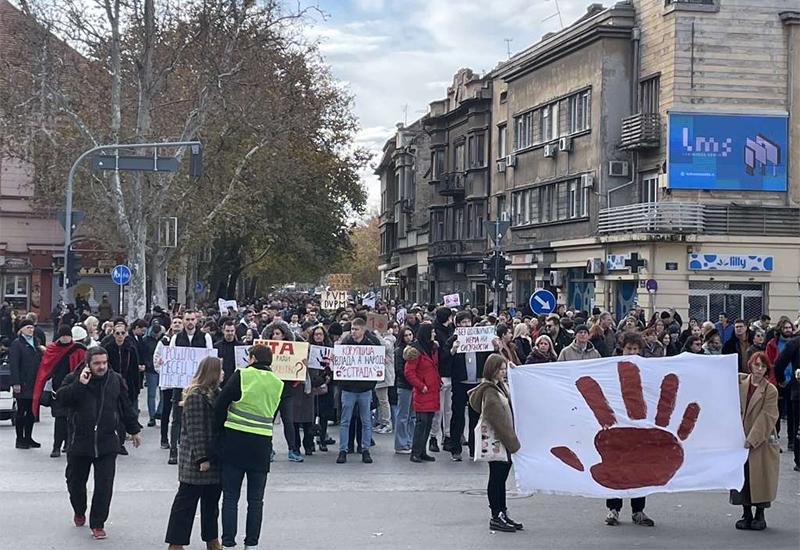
[[318, 355], [225, 304], [351, 362], [179, 363], [333, 300], [240, 353], [471, 339], [628, 426], [452, 300]]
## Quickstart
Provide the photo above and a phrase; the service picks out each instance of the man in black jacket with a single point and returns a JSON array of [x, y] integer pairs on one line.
[[442, 331], [94, 397], [123, 359], [791, 356], [226, 348]]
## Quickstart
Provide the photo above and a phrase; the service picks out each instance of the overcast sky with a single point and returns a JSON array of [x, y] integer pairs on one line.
[[396, 54]]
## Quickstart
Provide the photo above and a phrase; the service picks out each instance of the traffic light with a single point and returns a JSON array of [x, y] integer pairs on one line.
[[489, 264], [73, 268], [503, 276]]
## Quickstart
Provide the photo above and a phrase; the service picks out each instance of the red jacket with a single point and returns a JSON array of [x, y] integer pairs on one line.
[[772, 354], [423, 370]]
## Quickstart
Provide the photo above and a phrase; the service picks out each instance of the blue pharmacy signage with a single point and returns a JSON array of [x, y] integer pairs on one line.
[[727, 152], [729, 262]]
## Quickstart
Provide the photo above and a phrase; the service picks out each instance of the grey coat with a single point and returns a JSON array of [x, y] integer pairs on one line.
[[199, 440]]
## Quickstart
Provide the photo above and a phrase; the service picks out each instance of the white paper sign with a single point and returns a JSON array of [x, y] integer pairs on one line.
[[452, 300], [369, 301], [475, 339], [318, 355], [225, 304], [333, 300], [628, 426], [179, 364], [241, 356], [352, 362], [401, 315]]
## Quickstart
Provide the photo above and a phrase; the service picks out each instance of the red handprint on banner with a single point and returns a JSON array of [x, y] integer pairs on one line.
[[633, 457]]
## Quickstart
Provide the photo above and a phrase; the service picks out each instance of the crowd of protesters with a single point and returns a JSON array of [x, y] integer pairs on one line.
[[430, 399]]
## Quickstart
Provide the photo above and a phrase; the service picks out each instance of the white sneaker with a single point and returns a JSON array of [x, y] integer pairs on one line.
[[403, 452], [251, 547]]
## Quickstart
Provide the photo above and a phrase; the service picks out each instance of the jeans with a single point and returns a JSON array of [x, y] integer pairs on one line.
[[441, 421], [184, 507], [422, 430], [457, 422], [404, 425], [384, 412], [232, 477], [349, 402], [78, 474], [637, 504], [496, 489], [152, 391]]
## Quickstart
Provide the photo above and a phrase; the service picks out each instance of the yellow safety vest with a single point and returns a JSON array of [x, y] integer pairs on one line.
[[261, 395]]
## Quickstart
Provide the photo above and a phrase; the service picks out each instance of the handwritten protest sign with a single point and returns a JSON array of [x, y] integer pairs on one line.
[[318, 356], [452, 300], [358, 362], [401, 315], [225, 304], [179, 364], [333, 300], [369, 300], [377, 322], [288, 358], [340, 281], [240, 354], [472, 339]]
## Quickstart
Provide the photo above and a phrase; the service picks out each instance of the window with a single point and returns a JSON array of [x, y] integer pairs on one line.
[[437, 164], [573, 199], [458, 224], [501, 207], [479, 217], [549, 123], [502, 136], [480, 151], [523, 130], [649, 91], [707, 299], [459, 160], [16, 286], [579, 112], [559, 201], [649, 187], [470, 220], [437, 223]]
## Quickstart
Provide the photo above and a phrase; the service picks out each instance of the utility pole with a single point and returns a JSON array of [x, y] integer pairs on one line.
[[508, 42]]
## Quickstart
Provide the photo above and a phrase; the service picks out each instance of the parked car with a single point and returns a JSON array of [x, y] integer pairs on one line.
[[7, 404]]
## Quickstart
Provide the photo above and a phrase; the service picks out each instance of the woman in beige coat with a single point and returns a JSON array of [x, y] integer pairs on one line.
[[759, 409], [492, 400]]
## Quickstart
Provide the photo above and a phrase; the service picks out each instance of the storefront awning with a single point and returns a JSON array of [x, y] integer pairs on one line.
[[567, 265]]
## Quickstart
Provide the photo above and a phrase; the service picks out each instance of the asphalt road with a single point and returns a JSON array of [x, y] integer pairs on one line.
[[391, 504]]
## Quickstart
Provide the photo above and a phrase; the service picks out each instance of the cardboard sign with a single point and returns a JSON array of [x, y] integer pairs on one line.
[[377, 322], [288, 358], [225, 304], [340, 281], [475, 339], [452, 300], [352, 362], [179, 364], [333, 300], [318, 356], [240, 354]]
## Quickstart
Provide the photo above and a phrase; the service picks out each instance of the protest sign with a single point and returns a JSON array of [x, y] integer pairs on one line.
[[225, 304], [240, 354], [288, 358], [401, 316], [377, 322], [628, 426], [452, 300], [318, 356], [369, 300], [358, 362], [178, 364], [333, 300], [340, 281], [471, 339]]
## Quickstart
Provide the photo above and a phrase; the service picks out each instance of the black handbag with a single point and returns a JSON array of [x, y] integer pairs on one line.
[[46, 399]]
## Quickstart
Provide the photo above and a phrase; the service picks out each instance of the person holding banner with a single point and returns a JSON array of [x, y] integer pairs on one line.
[[422, 372], [491, 399], [759, 408], [325, 402], [176, 325]]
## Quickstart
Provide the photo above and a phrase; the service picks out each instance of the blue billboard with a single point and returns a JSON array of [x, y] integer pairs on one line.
[[727, 152]]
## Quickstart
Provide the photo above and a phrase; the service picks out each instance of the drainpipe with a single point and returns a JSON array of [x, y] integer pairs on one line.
[[791, 19], [636, 37]]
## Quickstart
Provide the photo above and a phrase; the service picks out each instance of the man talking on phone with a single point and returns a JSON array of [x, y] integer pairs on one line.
[[94, 396]]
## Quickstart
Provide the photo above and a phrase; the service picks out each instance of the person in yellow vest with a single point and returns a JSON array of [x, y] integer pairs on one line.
[[245, 408]]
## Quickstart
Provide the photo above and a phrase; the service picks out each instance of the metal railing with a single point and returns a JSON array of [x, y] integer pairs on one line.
[[641, 131], [653, 217]]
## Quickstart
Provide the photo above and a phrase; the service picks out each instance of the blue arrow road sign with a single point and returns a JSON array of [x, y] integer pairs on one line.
[[121, 274], [198, 287], [542, 302]]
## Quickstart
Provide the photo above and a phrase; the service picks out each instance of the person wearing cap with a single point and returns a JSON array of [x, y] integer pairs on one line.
[[580, 348], [60, 358], [24, 356]]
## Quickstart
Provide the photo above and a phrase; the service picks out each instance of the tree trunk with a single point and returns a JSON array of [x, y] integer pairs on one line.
[[137, 261], [158, 278], [232, 280]]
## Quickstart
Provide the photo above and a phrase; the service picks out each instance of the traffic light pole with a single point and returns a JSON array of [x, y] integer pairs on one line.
[[68, 211]]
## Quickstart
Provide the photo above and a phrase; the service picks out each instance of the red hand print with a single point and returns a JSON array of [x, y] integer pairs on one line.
[[633, 457]]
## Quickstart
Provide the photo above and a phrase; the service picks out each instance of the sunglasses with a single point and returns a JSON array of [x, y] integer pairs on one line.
[[119, 334]]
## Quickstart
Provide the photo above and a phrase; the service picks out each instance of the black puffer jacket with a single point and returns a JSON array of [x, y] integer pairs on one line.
[[94, 411]]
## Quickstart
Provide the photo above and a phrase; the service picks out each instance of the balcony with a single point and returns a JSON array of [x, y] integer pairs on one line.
[[456, 249], [684, 218], [641, 131], [451, 184]]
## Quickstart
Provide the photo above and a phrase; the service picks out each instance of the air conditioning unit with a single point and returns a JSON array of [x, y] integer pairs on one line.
[[565, 144], [550, 150], [511, 160], [594, 266], [618, 168], [501, 165], [587, 181], [556, 279]]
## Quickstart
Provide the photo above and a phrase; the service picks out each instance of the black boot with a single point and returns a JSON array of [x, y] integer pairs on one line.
[[433, 445], [518, 526], [447, 445], [747, 519], [498, 523], [758, 523]]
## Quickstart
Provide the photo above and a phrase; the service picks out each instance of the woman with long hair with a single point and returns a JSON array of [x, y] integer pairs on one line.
[[492, 400], [404, 423], [522, 340], [422, 372], [507, 347], [198, 468], [321, 384], [543, 351]]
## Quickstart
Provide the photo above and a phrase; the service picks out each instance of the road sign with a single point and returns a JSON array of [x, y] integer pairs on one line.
[[198, 287], [130, 163], [542, 302], [77, 218], [651, 285], [121, 274], [496, 229]]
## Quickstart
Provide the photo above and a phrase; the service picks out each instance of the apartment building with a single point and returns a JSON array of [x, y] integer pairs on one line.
[[643, 156]]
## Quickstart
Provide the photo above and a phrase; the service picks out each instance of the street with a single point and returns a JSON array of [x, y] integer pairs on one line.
[[391, 504]]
